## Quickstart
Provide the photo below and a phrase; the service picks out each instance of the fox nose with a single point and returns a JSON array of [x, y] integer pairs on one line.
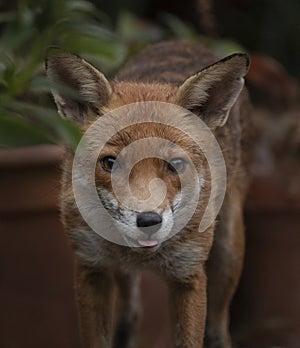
[[149, 219]]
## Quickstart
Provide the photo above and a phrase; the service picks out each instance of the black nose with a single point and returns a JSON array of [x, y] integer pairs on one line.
[[149, 219]]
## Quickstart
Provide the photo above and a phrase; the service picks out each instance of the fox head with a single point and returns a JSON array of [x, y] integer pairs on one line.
[[162, 164]]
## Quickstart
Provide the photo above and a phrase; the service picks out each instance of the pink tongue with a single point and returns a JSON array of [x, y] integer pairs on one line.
[[147, 243]]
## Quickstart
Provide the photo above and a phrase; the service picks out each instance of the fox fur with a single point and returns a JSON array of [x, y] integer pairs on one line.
[[201, 269]]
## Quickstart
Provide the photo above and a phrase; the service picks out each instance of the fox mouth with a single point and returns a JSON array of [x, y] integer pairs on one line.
[[143, 244], [148, 243]]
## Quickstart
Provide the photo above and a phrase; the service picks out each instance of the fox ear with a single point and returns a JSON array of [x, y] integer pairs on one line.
[[213, 91], [80, 86]]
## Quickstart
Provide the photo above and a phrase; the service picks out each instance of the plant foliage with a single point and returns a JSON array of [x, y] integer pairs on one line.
[[27, 112]]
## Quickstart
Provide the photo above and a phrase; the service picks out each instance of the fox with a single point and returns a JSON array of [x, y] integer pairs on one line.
[[201, 268]]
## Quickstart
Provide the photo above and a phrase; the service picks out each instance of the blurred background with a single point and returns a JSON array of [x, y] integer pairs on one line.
[[36, 281]]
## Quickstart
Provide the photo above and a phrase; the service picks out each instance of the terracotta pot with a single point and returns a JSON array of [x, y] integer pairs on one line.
[[266, 309], [36, 291]]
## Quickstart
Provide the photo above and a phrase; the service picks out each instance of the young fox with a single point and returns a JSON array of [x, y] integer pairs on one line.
[[201, 268]]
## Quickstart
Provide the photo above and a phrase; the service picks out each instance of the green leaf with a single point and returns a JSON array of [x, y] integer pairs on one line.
[[132, 28], [106, 52], [15, 132], [226, 47], [64, 131], [44, 122], [7, 16], [178, 28]]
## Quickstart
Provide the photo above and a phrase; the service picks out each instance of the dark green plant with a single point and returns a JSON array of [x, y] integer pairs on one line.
[[27, 113]]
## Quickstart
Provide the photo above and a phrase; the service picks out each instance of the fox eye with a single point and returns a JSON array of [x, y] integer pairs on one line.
[[176, 165], [107, 163]]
